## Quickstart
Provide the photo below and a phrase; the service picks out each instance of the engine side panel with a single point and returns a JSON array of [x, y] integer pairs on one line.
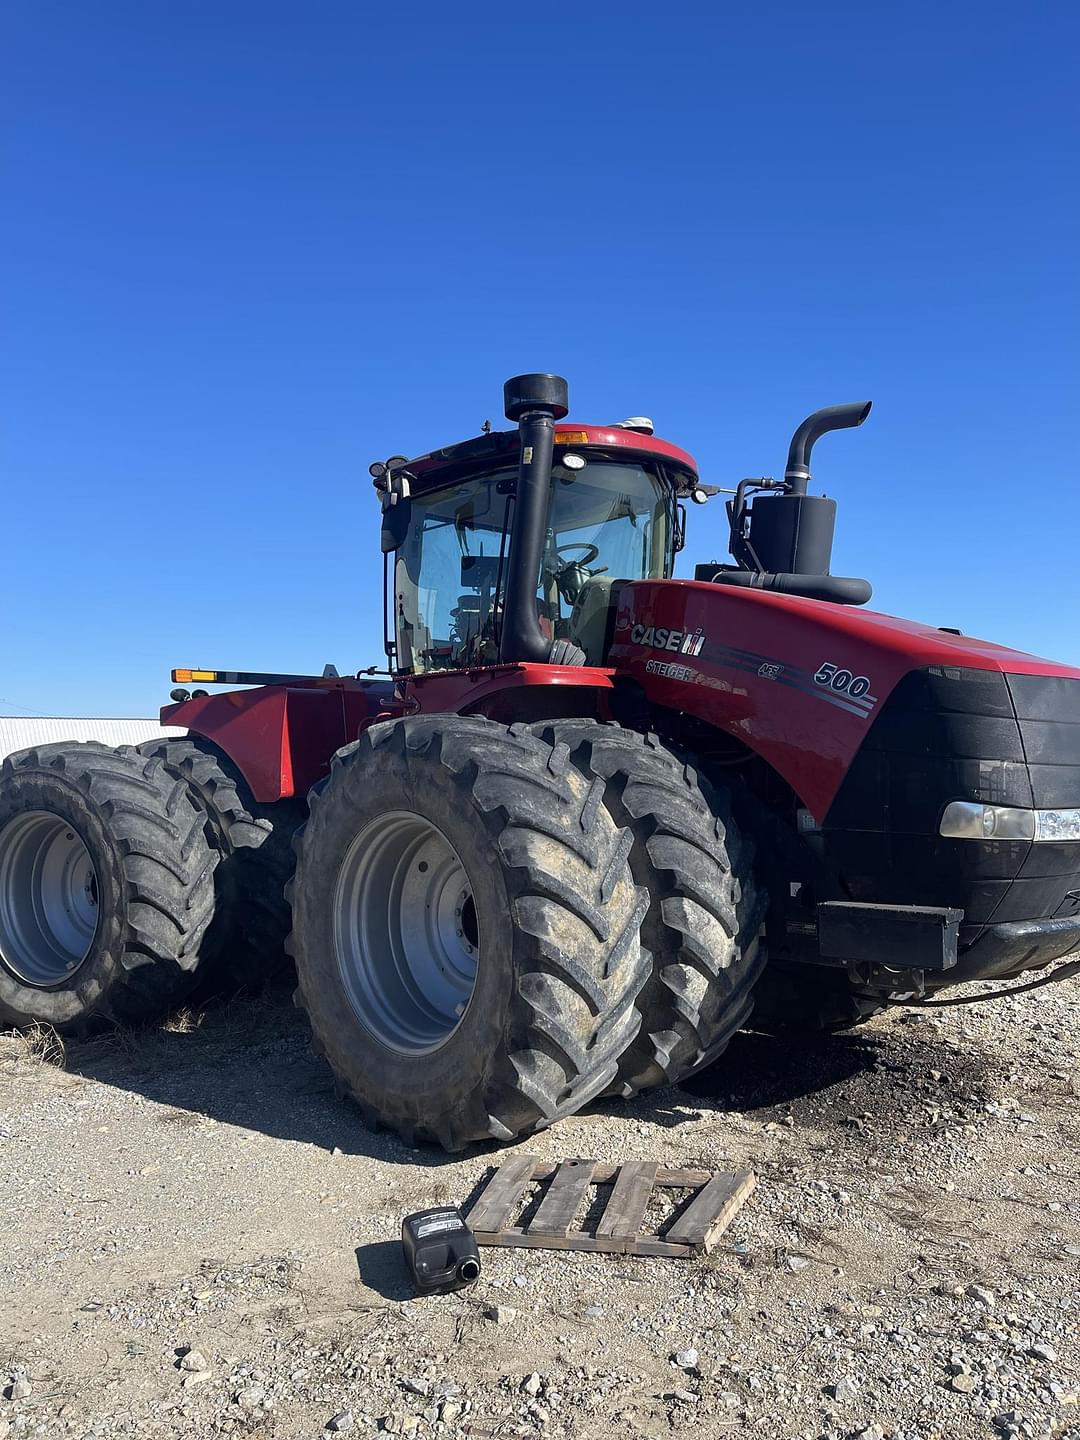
[[748, 668], [798, 681]]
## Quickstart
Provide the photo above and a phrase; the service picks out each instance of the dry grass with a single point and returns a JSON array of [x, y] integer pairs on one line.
[[277, 1272], [39, 1044], [183, 1022]]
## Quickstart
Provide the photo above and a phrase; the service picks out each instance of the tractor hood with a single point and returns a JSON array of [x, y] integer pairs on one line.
[[931, 645], [798, 681], [904, 639], [881, 727]]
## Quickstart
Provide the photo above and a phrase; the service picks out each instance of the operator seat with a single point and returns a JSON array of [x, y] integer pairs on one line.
[[592, 620]]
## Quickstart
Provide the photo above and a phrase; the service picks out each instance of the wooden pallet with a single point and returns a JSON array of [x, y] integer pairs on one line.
[[720, 1195]]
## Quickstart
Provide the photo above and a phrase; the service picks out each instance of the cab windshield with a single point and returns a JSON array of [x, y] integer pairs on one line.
[[605, 520]]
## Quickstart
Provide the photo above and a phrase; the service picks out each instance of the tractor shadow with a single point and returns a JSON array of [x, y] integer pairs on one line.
[[763, 1072], [846, 1089], [248, 1063]]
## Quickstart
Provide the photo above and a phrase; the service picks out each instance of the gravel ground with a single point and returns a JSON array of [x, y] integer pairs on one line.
[[197, 1239]]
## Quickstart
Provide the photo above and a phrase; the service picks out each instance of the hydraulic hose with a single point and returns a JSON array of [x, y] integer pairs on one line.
[[841, 589]]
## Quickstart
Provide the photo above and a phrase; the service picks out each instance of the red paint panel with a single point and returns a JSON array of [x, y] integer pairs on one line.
[[458, 691], [630, 440], [249, 725], [501, 448], [282, 738], [753, 673]]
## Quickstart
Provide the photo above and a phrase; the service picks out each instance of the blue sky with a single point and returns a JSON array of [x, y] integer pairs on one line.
[[245, 248]]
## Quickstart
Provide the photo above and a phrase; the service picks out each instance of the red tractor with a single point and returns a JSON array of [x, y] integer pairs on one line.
[[590, 816]]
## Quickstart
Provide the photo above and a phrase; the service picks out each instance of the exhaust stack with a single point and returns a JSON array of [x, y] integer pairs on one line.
[[792, 533], [783, 541], [833, 417]]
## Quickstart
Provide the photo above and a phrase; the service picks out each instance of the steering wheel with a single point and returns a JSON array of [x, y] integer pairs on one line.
[[572, 575], [591, 551]]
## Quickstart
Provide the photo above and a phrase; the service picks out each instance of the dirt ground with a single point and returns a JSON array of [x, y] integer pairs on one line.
[[197, 1238]]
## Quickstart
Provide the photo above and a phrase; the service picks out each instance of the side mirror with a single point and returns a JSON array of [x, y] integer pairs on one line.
[[680, 527], [395, 522]]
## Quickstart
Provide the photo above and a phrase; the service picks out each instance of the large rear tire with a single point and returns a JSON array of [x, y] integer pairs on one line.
[[106, 887], [466, 930], [705, 911], [245, 944]]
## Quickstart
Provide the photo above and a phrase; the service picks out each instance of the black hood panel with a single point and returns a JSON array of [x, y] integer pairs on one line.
[[1048, 716]]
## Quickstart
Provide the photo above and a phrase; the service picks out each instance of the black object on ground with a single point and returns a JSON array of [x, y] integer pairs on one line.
[[440, 1251]]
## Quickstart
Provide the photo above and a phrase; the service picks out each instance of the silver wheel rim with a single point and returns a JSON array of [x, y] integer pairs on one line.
[[48, 898], [406, 936]]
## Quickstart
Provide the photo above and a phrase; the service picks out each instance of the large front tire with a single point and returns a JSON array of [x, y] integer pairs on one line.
[[106, 887], [705, 911], [466, 930]]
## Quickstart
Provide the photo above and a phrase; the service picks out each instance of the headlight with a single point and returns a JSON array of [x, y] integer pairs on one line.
[[1057, 824], [967, 820]]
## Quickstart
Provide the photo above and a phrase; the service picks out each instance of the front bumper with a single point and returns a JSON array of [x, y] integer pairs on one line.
[[1006, 950], [918, 944]]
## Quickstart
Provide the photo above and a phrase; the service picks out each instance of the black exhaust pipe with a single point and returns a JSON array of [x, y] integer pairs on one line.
[[783, 542], [833, 417], [535, 402]]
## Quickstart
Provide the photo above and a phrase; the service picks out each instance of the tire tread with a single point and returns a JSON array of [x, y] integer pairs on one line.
[[577, 917], [246, 944], [166, 875], [704, 912]]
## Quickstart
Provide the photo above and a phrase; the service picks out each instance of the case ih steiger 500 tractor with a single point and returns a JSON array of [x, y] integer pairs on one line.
[[592, 814]]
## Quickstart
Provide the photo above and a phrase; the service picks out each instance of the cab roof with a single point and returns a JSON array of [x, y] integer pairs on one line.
[[468, 457]]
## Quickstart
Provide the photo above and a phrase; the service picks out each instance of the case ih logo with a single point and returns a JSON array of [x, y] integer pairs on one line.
[[659, 637]]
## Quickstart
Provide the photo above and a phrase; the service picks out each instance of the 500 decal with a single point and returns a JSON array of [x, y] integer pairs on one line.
[[845, 682]]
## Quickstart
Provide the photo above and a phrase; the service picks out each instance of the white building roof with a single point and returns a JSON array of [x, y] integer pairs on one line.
[[19, 732]]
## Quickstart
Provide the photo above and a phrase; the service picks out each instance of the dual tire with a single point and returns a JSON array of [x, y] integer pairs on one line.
[[495, 925], [106, 887], [132, 880], [430, 1039], [245, 943]]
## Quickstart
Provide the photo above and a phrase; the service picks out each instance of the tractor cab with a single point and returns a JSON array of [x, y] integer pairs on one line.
[[513, 546]]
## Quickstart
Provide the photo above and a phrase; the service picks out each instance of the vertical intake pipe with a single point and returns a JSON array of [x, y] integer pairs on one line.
[[535, 402]]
